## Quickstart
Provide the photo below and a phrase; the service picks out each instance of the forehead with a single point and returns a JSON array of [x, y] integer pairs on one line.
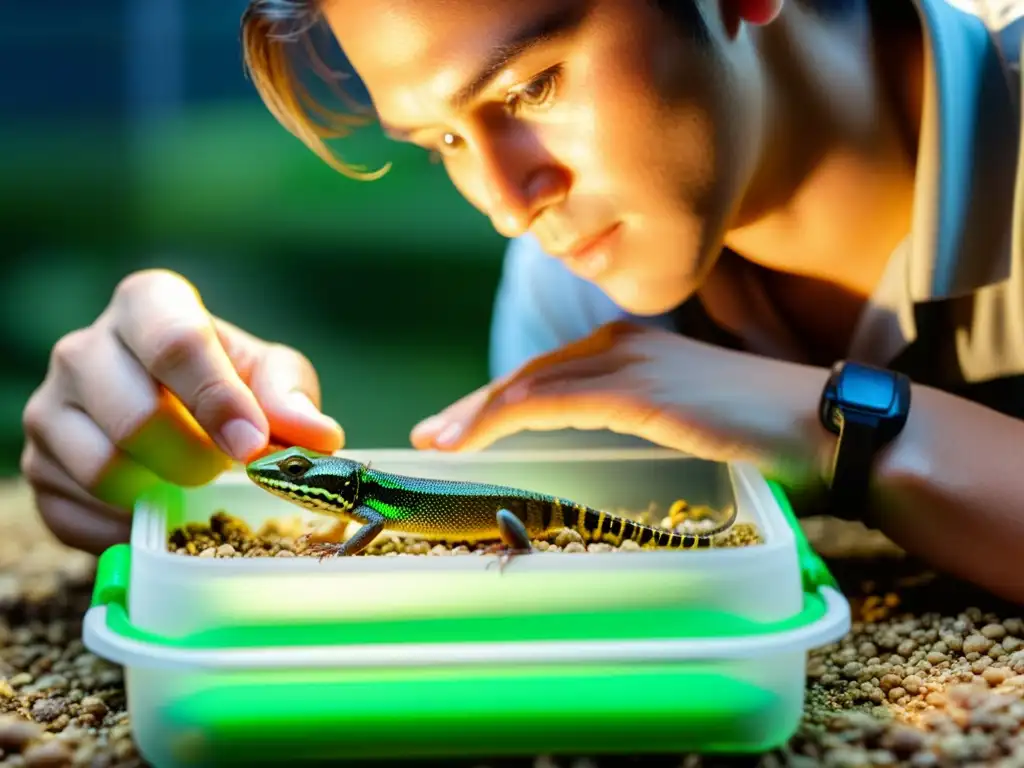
[[412, 50]]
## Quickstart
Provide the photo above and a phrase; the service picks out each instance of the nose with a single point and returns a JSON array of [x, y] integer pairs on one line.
[[518, 180]]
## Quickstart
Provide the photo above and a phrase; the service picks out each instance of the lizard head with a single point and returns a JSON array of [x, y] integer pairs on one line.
[[321, 482]]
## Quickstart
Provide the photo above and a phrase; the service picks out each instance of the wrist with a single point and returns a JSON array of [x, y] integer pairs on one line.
[[793, 446], [906, 461]]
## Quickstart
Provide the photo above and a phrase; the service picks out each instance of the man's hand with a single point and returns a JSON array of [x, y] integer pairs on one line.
[[700, 399], [157, 388]]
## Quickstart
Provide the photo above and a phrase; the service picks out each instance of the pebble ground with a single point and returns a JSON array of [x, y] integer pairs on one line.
[[931, 674]]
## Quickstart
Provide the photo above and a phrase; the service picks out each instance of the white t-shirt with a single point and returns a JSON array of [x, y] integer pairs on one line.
[[949, 310]]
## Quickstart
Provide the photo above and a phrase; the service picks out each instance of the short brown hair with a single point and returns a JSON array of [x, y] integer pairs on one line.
[[272, 31], [272, 28]]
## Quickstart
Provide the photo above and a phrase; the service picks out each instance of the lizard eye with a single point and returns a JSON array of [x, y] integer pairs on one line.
[[295, 466]]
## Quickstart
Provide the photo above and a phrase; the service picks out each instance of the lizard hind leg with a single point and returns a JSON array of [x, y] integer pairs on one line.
[[515, 539]]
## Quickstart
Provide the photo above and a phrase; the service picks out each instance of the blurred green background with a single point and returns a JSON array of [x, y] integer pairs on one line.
[[130, 138]]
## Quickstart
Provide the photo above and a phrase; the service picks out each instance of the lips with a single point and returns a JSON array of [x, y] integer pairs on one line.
[[581, 248], [590, 255], [580, 245]]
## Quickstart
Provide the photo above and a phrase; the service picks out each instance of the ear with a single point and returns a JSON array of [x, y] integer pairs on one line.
[[736, 13], [756, 11]]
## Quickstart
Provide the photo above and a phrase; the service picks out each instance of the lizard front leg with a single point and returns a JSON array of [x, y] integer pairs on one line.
[[514, 536], [373, 523]]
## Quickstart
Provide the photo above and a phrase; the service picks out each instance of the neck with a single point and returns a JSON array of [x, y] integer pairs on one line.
[[834, 194]]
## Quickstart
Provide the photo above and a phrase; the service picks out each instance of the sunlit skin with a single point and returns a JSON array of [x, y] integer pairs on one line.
[[621, 120]]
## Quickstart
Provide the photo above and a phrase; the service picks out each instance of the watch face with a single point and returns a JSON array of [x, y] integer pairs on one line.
[[867, 389]]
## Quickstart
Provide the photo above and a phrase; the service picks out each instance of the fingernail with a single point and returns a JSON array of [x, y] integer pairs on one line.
[[241, 438], [301, 403], [428, 426], [449, 434]]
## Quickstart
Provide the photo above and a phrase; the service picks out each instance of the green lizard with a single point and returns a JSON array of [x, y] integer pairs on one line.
[[443, 509]]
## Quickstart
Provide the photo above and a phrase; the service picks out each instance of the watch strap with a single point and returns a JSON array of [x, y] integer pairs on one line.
[[852, 466]]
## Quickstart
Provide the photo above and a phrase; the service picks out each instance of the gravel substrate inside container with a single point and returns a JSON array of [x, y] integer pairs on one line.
[[227, 536], [932, 673]]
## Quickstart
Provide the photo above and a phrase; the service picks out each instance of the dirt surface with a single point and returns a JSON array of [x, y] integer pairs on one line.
[[932, 673], [59, 704]]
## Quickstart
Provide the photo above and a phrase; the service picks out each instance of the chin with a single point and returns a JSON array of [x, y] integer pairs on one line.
[[647, 297], [647, 278]]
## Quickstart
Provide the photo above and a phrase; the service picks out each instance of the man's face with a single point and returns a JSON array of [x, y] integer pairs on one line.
[[614, 124]]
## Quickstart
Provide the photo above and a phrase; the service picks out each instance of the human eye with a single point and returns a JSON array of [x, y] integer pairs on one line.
[[539, 93]]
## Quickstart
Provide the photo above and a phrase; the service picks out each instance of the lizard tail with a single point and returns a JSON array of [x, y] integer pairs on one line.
[[595, 525]]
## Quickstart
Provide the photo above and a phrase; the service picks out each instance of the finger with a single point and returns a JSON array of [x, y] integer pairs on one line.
[[86, 455], [430, 431], [79, 526], [546, 374], [101, 377], [76, 519], [161, 319], [601, 403], [591, 356], [286, 386], [579, 399], [574, 407]]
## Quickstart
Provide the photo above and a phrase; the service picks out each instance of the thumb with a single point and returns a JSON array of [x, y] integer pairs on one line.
[[287, 388]]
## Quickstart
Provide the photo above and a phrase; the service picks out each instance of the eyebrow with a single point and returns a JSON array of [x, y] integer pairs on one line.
[[543, 29]]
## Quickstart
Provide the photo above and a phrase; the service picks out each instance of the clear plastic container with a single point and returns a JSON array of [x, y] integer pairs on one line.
[[274, 659]]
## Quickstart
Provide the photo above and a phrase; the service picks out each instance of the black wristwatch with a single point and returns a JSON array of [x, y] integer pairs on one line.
[[867, 407]]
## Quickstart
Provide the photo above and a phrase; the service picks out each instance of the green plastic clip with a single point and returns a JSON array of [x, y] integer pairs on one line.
[[113, 575], [814, 573]]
